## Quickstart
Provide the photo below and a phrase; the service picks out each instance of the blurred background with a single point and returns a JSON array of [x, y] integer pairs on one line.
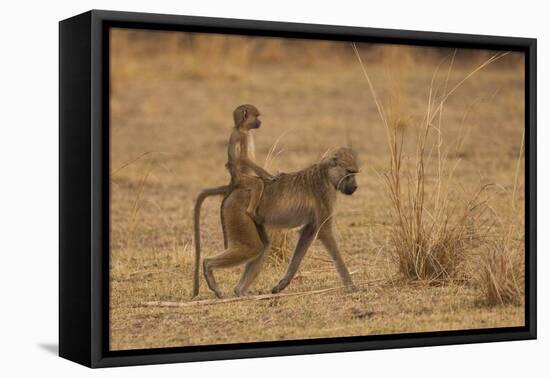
[[172, 97]]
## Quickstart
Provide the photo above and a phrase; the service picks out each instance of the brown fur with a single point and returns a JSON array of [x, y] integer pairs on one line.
[[240, 166], [303, 199]]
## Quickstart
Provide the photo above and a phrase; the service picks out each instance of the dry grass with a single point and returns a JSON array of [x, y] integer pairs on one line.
[[171, 104], [430, 238], [502, 274], [282, 243]]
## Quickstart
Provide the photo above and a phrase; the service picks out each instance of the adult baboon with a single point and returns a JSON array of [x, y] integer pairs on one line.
[[303, 199]]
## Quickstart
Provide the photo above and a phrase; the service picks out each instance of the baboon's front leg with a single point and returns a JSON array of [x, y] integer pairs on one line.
[[307, 235], [326, 235], [253, 267]]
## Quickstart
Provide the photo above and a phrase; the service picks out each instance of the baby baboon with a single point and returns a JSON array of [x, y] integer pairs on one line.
[[239, 164], [305, 198]]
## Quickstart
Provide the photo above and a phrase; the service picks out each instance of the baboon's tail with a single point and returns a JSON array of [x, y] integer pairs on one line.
[[221, 190]]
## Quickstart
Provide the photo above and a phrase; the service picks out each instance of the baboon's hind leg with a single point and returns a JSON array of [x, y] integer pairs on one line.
[[228, 258], [252, 268]]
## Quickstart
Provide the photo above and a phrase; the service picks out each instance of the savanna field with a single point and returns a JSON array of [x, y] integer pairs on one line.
[[433, 236]]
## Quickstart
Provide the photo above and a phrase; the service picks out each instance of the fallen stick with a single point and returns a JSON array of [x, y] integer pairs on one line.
[[313, 272], [236, 299], [157, 271]]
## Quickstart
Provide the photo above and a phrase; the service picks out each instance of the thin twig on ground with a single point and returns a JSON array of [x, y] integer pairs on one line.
[[237, 299]]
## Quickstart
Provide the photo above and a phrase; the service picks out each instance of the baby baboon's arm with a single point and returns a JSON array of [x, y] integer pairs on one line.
[[257, 169], [240, 155]]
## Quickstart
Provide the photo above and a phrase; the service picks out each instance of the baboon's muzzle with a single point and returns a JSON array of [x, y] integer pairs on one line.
[[350, 189]]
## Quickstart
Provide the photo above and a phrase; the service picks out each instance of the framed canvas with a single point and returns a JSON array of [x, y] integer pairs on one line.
[[235, 188]]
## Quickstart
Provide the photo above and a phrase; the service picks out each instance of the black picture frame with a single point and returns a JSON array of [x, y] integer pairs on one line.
[[84, 188]]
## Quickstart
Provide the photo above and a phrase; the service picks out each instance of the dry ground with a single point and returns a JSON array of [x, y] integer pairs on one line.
[[172, 98]]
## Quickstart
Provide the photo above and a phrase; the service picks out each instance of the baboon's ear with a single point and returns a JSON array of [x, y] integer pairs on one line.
[[239, 116], [333, 162]]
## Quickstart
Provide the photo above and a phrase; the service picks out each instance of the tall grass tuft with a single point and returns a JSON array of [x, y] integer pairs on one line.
[[432, 230], [502, 274]]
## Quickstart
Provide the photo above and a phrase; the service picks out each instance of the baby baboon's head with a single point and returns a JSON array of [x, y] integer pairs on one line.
[[246, 117], [342, 168]]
